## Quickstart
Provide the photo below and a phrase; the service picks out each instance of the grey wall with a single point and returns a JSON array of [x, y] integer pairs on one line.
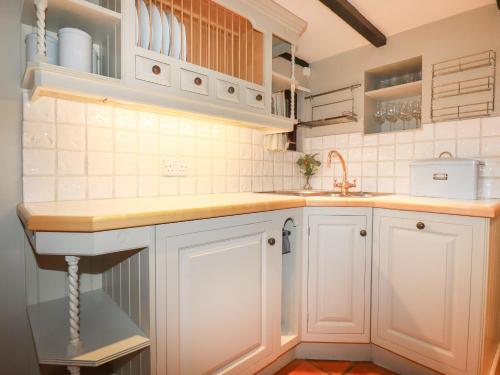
[[15, 342], [466, 33]]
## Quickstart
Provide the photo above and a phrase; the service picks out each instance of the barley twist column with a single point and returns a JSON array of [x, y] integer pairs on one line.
[[74, 306], [41, 45], [293, 86]]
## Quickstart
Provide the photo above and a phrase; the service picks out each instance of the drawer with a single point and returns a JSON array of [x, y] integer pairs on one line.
[[228, 91], [194, 82], [255, 98], [152, 71]]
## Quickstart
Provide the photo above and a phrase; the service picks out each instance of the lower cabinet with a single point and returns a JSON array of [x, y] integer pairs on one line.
[[338, 275], [428, 274]]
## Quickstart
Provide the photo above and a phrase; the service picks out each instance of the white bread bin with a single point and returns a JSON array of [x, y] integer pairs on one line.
[[444, 178]]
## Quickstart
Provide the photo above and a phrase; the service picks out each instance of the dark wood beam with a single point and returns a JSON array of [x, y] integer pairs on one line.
[[298, 61], [357, 21], [498, 4]]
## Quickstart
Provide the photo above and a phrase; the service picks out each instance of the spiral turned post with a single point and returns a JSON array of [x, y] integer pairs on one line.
[[74, 306], [41, 45], [293, 86]]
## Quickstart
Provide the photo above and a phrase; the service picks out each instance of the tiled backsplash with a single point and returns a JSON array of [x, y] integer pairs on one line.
[[77, 151], [380, 162]]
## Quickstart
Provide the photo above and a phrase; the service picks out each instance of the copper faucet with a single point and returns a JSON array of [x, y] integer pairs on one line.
[[344, 185]]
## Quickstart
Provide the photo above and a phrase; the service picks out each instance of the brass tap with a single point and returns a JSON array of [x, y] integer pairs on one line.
[[344, 185]]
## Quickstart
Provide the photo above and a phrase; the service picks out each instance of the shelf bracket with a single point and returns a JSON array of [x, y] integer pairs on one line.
[[74, 307], [41, 46]]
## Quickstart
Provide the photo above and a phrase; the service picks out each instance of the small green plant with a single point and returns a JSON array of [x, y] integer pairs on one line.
[[308, 166]]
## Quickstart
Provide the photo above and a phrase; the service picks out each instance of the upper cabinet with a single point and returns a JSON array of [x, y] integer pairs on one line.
[[211, 58]]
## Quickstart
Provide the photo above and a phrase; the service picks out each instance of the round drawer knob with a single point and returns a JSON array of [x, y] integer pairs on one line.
[[156, 69], [362, 233], [271, 241], [420, 225], [258, 98], [231, 90], [198, 81]]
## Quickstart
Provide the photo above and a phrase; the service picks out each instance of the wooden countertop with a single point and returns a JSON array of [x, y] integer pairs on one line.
[[107, 214]]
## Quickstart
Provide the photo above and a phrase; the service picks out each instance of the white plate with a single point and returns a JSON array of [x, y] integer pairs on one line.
[[184, 43], [144, 25], [165, 49], [156, 32], [175, 49]]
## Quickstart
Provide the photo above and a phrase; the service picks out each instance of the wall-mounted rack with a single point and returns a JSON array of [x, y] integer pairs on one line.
[[464, 87], [332, 107]]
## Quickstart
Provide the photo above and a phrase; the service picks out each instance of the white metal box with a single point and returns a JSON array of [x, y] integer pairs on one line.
[[444, 178]]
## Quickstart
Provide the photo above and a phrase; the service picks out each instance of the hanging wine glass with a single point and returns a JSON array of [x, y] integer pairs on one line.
[[416, 111], [405, 112], [392, 113], [379, 115]]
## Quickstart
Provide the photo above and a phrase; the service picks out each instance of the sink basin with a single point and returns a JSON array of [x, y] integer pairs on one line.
[[325, 193]]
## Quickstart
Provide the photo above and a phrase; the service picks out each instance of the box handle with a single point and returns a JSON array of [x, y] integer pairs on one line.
[[440, 176]]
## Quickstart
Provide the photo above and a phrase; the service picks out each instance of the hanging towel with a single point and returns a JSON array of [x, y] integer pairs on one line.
[[276, 142]]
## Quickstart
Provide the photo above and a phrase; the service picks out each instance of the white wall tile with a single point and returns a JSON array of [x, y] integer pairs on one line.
[[71, 188], [100, 187], [425, 133], [442, 146], [467, 148], [369, 169], [42, 109], [245, 184], [99, 163], [148, 143], [258, 137], [316, 143], [39, 134], [386, 139], [245, 151], [385, 185], [490, 126], [490, 146], [169, 185], [187, 146], [246, 135], [402, 168], [70, 137], [386, 169], [386, 153], [424, 150], [469, 128], [39, 189], [187, 185], [233, 135], [70, 162], [125, 141], [125, 119], [355, 140], [404, 151], [445, 130], [99, 139], [219, 167], [39, 162], [203, 129], [246, 168], [233, 167], [169, 125], [125, 186], [148, 165], [70, 112], [204, 167], [233, 184], [341, 141], [369, 184], [218, 184], [329, 142], [370, 140], [402, 186], [407, 136], [148, 186], [168, 145], [99, 115], [148, 122], [125, 164], [370, 153]]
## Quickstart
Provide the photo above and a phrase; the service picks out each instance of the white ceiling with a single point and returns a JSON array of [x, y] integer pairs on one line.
[[328, 35]]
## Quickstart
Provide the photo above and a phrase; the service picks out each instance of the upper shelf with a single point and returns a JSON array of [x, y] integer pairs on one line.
[[106, 331], [397, 91], [282, 82]]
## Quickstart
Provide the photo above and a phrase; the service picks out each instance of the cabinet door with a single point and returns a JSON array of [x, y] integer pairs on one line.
[[219, 309], [422, 288], [339, 278]]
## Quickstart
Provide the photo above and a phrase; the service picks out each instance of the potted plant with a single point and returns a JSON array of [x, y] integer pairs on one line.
[[308, 166]]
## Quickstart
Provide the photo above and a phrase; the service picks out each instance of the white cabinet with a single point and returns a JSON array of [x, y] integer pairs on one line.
[[338, 276], [427, 288], [216, 288]]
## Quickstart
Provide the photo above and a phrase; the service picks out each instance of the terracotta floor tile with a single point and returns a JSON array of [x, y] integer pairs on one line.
[[332, 367], [300, 367], [367, 368]]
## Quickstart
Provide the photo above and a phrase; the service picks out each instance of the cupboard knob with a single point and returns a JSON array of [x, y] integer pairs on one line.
[[362, 233], [156, 69], [230, 90], [420, 225], [271, 241], [258, 98], [198, 81]]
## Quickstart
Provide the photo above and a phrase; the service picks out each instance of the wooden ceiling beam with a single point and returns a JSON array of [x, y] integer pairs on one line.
[[298, 61], [357, 21], [498, 4]]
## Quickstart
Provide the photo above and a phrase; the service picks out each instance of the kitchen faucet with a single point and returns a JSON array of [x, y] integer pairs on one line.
[[344, 185]]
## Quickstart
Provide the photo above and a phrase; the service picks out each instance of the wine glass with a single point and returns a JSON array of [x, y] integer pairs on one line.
[[405, 113], [416, 111], [379, 115], [392, 113]]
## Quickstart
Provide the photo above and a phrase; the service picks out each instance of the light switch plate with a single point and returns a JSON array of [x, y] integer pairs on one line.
[[174, 168]]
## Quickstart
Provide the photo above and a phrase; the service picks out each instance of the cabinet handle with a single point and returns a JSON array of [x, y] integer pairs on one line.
[[271, 241], [230, 90], [156, 69], [420, 225], [258, 98], [198, 81], [362, 233]]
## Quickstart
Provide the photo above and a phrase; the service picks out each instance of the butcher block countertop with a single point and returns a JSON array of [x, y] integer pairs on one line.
[[107, 214]]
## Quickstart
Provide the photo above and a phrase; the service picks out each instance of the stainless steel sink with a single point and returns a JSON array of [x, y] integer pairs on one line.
[[325, 193]]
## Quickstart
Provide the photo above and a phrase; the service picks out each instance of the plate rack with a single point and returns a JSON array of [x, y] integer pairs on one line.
[[464, 87]]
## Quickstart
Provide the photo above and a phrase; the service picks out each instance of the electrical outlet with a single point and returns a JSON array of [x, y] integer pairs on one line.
[[174, 168]]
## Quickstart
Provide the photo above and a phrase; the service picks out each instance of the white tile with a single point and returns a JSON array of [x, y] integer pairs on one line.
[[125, 119], [203, 147], [355, 154], [187, 185], [278, 168], [469, 128], [316, 143], [341, 141], [490, 126], [148, 122], [329, 142], [39, 134], [402, 168], [203, 129], [232, 184], [168, 145], [424, 150], [233, 135], [287, 169], [190, 162], [70, 162], [245, 184], [327, 183], [148, 165], [38, 162], [100, 163], [355, 140], [219, 167], [402, 186], [125, 141], [370, 140], [38, 189], [70, 137], [306, 145], [445, 130], [441, 146], [386, 152], [233, 167], [169, 185], [187, 146], [404, 151], [267, 168], [218, 184], [369, 169], [355, 169], [233, 150], [386, 169], [290, 157], [99, 139], [219, 149], [385, 185], [246, 167], [219, 132], [43, 109], [370, 153], [490, 146], [386, 139], [99, 115], [258, 137], [246, 135], [149, 186], [246, 151], [369, 184], [257, 184], [71, 188], [407, 136], [125, 186], [168, 125], [278, 156], [425, 133], [148, 143], [203, 167], [258, 153], [278, 183], [125, 164], [467, 148], [70, 112], [267, 184], [100, 187]]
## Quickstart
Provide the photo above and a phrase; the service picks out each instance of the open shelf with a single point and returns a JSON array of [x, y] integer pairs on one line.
[[282, 82], [106, 332], [397, 91]]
